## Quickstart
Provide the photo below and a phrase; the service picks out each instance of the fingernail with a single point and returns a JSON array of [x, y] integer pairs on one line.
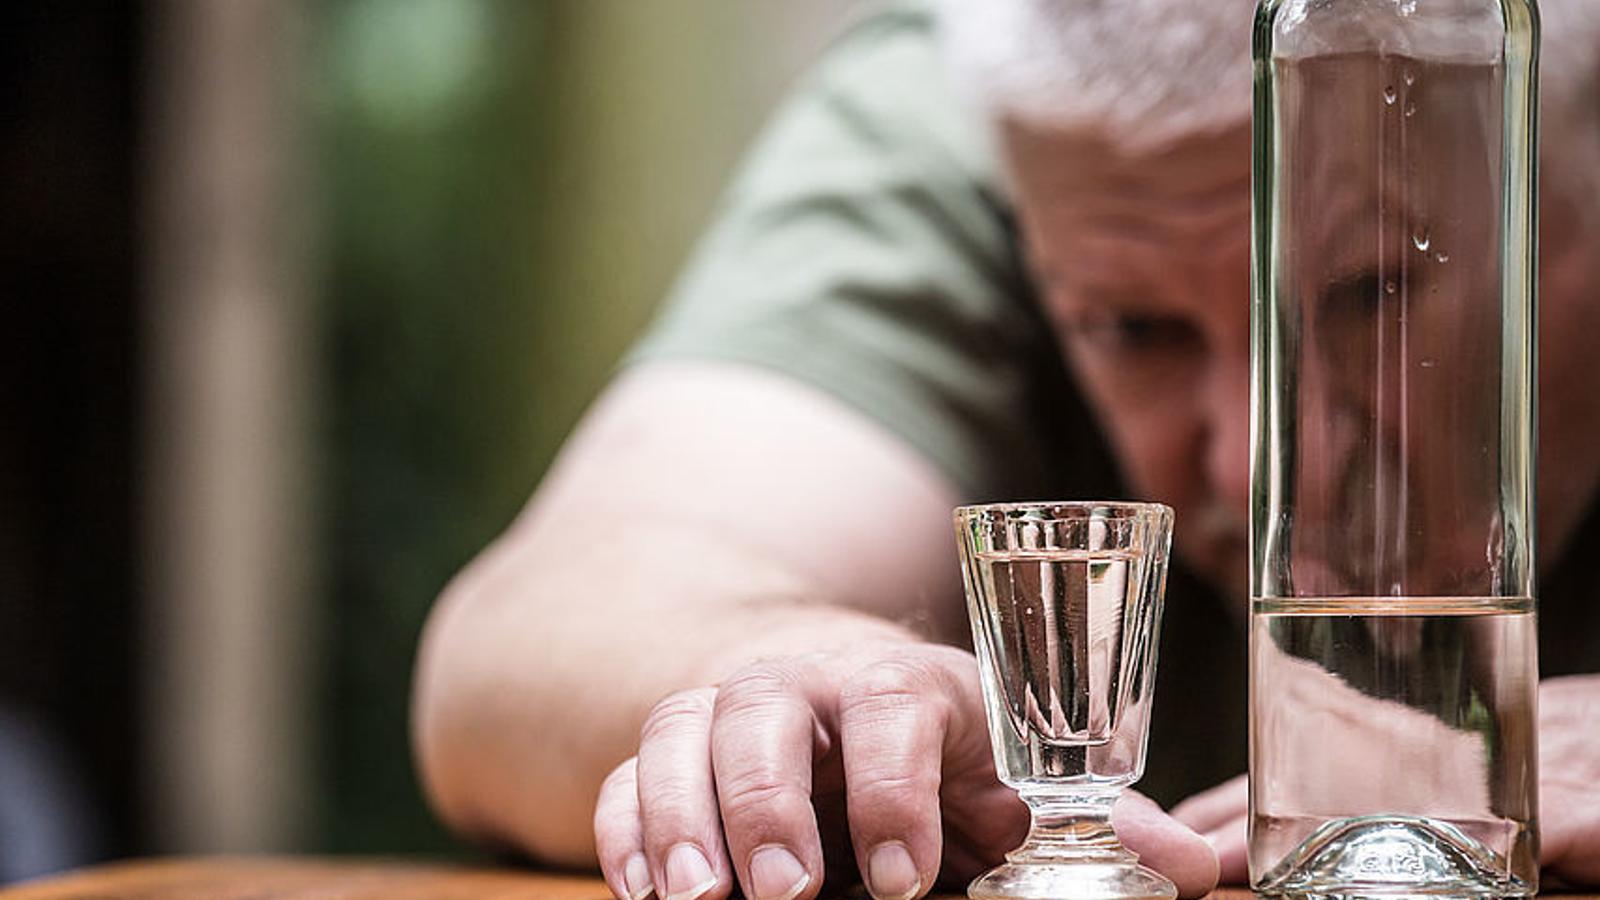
[[776, 875], [891, 874], [688, 873], [636, 877]]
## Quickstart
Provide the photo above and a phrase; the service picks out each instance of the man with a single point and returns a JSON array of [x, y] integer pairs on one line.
[[727, 626]]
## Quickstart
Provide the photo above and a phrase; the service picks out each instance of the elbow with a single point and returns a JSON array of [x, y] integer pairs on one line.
[[437, 717], [469, 730]]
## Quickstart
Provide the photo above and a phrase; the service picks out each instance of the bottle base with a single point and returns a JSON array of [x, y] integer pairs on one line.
[[1390, 857]]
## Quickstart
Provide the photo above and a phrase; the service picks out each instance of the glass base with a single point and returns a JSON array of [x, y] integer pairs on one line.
[[1390, 857], [1071, 853], [1077, 880]]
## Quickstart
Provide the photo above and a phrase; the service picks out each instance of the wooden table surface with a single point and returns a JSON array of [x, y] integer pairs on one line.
[[281, 878], [267, 878]]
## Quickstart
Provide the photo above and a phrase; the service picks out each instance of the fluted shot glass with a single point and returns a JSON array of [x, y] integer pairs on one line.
[[1065, 601]]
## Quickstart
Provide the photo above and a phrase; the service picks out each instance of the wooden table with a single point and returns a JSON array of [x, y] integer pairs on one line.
[[274, 878], [238, 878]]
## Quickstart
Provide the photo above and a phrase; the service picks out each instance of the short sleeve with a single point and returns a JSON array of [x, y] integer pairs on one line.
[[865, 249]]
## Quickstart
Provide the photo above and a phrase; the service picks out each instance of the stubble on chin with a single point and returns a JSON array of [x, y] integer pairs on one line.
[[1215, 545]]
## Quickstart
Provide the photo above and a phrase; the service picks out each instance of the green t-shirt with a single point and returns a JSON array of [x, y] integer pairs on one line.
[[867, 248]]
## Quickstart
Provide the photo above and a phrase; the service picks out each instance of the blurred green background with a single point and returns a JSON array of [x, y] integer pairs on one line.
[[301, 297], [504, 191]]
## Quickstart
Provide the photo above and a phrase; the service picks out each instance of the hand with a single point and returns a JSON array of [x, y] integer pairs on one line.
[[1569, 791], [1569, 778], [756, 779], [1221, 814]]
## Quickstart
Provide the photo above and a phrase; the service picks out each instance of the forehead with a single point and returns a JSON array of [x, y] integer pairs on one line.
[[1099, 202]]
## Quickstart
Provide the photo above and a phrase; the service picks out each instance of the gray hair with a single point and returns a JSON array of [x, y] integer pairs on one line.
[[1138, 71], [1146, 73]]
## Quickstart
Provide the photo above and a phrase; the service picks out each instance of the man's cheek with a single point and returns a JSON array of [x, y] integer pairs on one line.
[[1160, 461], [1155, 439]]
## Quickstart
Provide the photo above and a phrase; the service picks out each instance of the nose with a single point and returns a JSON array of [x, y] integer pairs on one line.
[[1228, 428]]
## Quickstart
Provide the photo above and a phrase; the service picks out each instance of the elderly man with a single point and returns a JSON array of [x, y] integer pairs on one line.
[[728, 631]]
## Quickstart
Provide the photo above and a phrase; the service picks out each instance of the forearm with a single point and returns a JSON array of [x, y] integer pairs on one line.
[[701, 517], [544, 657]]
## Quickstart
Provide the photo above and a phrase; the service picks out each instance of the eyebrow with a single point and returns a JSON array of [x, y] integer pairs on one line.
[[1096, 296]]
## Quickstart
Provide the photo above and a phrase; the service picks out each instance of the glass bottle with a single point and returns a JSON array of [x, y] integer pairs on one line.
[[1393, 656]]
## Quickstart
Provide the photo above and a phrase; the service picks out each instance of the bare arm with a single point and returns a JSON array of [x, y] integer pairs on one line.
[[702, 516], [709, 638]]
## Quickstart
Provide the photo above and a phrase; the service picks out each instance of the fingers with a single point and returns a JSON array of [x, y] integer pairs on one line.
[[1165, 844], [1569, 779], [618, 836], [1215, 807], [893, 717], [762, 743], [1569, 840], [721, 789], [1220, 814], [677, 800], [1231, 842]]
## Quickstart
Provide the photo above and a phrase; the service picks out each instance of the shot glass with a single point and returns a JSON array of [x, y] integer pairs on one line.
[[1065, 601]]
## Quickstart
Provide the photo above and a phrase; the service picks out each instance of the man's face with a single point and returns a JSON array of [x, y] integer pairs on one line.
[[1143, 261], [1144, 265]]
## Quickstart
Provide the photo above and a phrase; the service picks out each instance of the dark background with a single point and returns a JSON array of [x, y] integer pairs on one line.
[[69, 103]]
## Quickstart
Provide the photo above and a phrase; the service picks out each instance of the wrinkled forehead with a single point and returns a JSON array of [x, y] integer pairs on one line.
[[1085, 195]]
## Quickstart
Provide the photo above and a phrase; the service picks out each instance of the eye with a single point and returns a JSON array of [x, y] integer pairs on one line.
[[1131, 334], [1358, 292]]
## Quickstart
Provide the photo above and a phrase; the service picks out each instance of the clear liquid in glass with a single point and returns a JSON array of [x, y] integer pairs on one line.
[[1067, 670], [1424, 707]]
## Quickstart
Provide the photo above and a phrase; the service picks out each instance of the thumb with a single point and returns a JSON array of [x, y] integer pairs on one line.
[[1165, 844]]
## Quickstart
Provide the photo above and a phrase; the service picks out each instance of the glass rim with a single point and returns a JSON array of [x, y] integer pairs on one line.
[[1077, 508]]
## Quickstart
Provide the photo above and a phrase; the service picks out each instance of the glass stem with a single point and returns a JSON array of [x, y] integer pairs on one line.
[[1071, 827]]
